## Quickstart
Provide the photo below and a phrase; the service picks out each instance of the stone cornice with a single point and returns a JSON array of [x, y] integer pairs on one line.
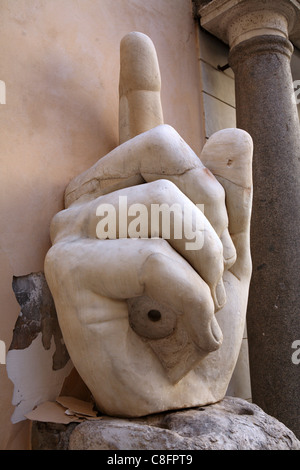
[[233, 21]]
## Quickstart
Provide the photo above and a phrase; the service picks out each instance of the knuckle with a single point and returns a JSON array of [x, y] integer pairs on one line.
[[215, 249], [219, 193], [163, 134], [165, 191], [57, 224], [164, 139]]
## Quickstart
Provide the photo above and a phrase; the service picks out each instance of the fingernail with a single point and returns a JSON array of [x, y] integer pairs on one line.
[[220, 294], [229, 250], [216, 331]]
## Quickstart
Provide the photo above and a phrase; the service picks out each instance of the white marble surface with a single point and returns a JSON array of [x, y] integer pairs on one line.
[[206, 289]]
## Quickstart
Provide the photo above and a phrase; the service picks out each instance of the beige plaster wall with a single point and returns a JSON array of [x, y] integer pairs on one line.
[[60, 63]]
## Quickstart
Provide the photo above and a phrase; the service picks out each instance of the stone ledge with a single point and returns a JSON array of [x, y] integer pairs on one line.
[[217, 15], [231, 424]]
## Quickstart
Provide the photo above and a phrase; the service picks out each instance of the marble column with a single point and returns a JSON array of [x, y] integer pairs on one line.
[[260, 51]]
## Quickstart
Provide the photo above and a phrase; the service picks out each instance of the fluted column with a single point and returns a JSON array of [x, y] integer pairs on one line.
[[260, 51]]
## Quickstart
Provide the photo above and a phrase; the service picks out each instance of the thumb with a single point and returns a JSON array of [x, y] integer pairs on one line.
[[228, 155]]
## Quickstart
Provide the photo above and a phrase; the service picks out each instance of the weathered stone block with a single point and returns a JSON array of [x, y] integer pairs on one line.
[[231, 424]]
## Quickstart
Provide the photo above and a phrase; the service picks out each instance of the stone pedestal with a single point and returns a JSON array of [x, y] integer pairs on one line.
[[260, 51], [232, 424]]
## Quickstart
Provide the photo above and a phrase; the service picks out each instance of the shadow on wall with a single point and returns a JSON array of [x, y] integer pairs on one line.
[[200, 3]]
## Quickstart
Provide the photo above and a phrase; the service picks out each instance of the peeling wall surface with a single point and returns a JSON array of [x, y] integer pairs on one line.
[[33, 377], [37, 360], [38, 315], [60, 66]]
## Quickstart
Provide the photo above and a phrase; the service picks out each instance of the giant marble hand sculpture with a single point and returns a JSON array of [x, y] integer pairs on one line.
[[152, 323]]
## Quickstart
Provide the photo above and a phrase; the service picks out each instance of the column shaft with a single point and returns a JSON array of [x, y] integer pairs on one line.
[[266, 109]]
